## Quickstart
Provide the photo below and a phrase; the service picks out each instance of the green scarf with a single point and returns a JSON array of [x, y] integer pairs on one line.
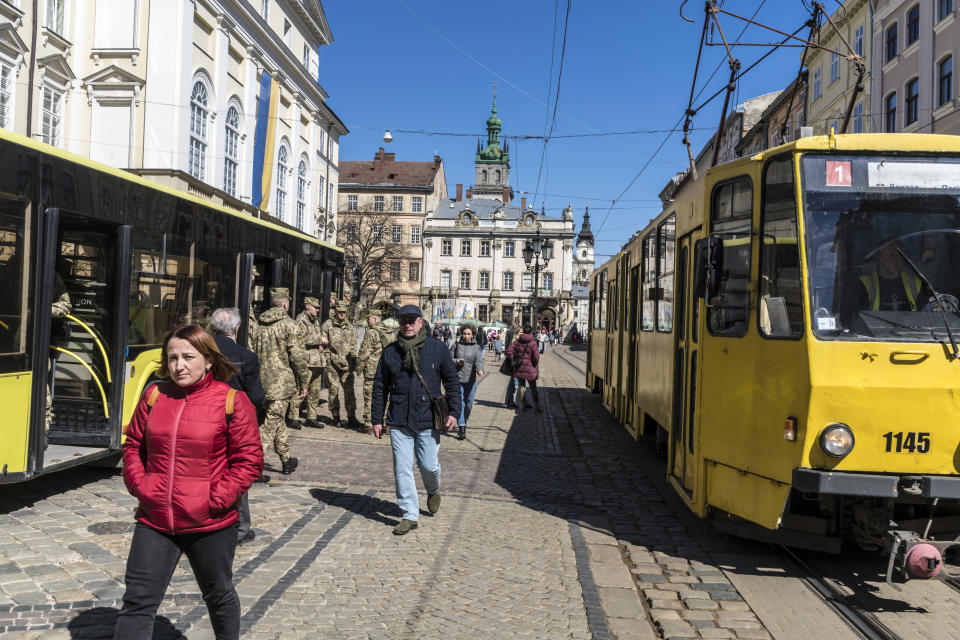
[[411, 349]]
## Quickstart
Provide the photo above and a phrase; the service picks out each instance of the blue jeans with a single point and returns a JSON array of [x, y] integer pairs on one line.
[[467, 391], [406, 443], [511, 390]]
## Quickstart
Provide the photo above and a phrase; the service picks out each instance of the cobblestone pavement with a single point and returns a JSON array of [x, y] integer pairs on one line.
[[552, 526]]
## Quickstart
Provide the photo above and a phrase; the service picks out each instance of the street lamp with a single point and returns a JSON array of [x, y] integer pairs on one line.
[[537, 255]]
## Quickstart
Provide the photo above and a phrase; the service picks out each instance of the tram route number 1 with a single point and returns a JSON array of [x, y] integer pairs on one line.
[[839, 174], [909, 441]]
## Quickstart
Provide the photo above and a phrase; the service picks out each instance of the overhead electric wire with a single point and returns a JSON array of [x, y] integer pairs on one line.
[[546, 115]]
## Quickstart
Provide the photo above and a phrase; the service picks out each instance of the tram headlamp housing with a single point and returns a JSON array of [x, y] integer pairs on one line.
[[836, 440]]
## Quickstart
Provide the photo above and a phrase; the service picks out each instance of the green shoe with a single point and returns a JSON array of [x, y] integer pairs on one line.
[[404, 527], [433, 503]]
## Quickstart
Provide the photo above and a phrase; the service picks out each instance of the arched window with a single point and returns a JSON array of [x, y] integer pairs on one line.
[[198, 130], [281, 210], [483, 177], [498, 176], [231, 152], [301, 192]]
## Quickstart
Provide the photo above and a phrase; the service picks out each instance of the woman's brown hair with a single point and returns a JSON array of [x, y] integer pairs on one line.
[[203, 342]]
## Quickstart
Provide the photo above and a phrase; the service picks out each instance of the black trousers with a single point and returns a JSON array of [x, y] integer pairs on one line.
[[150, 565], [533, 388]]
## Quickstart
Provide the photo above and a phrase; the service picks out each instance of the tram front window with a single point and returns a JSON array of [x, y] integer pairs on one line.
[[883, 246]]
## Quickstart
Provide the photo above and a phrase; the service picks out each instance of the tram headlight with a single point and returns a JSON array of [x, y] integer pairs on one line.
[[836, 440]]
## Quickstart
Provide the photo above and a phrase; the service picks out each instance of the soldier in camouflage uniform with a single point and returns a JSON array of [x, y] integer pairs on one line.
[[308, 322], [339, 341], [283, 371], [377, 337]]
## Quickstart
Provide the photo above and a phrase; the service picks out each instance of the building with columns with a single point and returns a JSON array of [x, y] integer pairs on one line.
[[169, 89], [473, 250]]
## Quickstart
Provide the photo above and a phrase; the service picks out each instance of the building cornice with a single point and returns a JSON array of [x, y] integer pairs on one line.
[[353, 186]]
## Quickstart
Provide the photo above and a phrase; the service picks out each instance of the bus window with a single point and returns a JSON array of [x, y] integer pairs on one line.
[[730, 215], [13, 287], [666, 239], [781, 296], [160, 283]]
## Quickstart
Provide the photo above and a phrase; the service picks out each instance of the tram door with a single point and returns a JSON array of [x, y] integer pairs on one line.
[[84, 282], [683, 441]]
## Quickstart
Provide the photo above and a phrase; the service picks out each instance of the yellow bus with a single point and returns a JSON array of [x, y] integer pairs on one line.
[[787, 328], [135, 259]]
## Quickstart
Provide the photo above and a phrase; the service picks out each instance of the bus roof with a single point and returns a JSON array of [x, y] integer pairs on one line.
[[132, 177]]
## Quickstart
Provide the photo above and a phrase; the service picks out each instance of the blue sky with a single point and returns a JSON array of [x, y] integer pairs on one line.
[[430, 64]]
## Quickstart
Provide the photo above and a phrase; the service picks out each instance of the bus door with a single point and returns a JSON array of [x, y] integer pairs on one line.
[[84, 283], [633, 304], [686, 358]]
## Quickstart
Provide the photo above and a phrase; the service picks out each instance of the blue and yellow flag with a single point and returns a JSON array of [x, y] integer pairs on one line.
[[264, 140]]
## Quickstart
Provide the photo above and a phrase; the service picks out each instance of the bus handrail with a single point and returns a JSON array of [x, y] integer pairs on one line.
[[103, 352], [103, 394]]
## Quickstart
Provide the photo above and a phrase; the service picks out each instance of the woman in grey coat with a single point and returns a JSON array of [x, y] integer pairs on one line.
[[468, 356]]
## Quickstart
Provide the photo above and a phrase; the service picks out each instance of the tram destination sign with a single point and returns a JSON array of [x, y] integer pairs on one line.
[[913, 175]]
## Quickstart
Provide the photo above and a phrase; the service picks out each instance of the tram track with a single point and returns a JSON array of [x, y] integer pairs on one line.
[[570, 362], [861, 621]]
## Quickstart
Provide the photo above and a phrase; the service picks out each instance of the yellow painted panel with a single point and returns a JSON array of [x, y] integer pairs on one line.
[[15, 400], [754, 498], [143, 367]]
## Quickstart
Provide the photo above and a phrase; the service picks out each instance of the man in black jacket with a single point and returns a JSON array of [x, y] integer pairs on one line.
[[409, 374], [224, 324]]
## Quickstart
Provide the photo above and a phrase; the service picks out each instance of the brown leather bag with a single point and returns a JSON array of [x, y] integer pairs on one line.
[[438, 407]]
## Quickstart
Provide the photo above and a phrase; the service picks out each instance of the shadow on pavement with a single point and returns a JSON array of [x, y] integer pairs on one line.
[[97, 623], [26, 494], [372, 508]]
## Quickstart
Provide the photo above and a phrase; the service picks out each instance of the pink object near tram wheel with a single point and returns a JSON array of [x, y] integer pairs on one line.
[[923, 561]]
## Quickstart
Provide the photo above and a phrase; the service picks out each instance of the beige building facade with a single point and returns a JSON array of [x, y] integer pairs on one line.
[[169, 89], [832, 79], [396, 196], [914, 57]]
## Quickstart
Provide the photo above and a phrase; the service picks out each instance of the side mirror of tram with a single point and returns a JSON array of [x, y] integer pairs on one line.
[[709, 267]]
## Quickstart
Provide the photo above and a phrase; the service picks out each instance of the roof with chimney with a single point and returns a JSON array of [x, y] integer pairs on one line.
[[386, 171], [484, 208]]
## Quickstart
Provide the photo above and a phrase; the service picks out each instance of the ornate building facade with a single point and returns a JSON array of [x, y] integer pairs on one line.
[[473, 250], [169, 89]]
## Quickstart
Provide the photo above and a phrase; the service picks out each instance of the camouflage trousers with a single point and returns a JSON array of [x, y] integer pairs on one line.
[[340, 382], [314, 387], [368, 376], [273, 431]]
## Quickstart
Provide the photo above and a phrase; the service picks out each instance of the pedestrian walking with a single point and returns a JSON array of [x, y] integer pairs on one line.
[[224, 323], [468, 358], [524, 352], [308, 322], [409, 377], [283, 371], [512, 334], [498, 347], [377, 337], [339, 342], [192, 449]]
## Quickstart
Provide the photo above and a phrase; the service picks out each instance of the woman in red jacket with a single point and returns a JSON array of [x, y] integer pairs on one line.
[[188, 463], [524, 349]]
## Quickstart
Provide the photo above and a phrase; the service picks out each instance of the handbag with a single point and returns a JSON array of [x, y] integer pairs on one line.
[[506, 367], [438, 407]]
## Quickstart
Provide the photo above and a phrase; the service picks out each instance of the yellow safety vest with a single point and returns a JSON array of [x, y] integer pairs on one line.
[[871, 283]]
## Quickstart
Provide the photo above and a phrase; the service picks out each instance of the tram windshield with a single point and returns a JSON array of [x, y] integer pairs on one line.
[[883, 246]]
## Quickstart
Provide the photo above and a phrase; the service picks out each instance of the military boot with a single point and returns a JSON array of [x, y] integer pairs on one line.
[[289, 466]]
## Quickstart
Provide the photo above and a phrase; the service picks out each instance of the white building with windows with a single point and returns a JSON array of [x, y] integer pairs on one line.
[[170, 90], [473, 249]]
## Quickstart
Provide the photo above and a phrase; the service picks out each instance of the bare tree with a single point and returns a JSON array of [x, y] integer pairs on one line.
[[373, 257]]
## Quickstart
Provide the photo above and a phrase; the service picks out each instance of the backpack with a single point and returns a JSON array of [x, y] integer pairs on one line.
[[154, 393]]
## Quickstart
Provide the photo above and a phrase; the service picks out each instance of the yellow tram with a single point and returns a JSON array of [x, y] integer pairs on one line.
[[135, 259], [787, 329]]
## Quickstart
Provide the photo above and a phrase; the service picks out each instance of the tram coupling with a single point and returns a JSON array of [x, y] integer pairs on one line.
[[913, 557]]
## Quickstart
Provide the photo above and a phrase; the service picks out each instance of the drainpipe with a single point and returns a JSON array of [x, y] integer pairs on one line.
[[30, 76]]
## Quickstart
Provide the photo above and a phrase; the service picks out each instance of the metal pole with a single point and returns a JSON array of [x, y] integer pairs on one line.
[[536, 285]]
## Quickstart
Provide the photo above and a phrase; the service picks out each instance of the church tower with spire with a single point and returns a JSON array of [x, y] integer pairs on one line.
[[582, 272], [493, 162]]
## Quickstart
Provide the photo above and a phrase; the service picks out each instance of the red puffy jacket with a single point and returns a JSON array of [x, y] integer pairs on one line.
[[182, 462], [525, 347]]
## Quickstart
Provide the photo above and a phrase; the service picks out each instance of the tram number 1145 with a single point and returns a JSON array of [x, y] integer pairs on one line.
[[907, 441]]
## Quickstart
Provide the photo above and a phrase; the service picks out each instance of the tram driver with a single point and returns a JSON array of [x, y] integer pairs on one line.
[[889, 284]]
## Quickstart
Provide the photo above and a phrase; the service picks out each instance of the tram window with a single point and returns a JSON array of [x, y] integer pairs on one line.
[[666, 241], [649, 283], [731, 214], [634, 298], [781, 296], [14, 257]]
